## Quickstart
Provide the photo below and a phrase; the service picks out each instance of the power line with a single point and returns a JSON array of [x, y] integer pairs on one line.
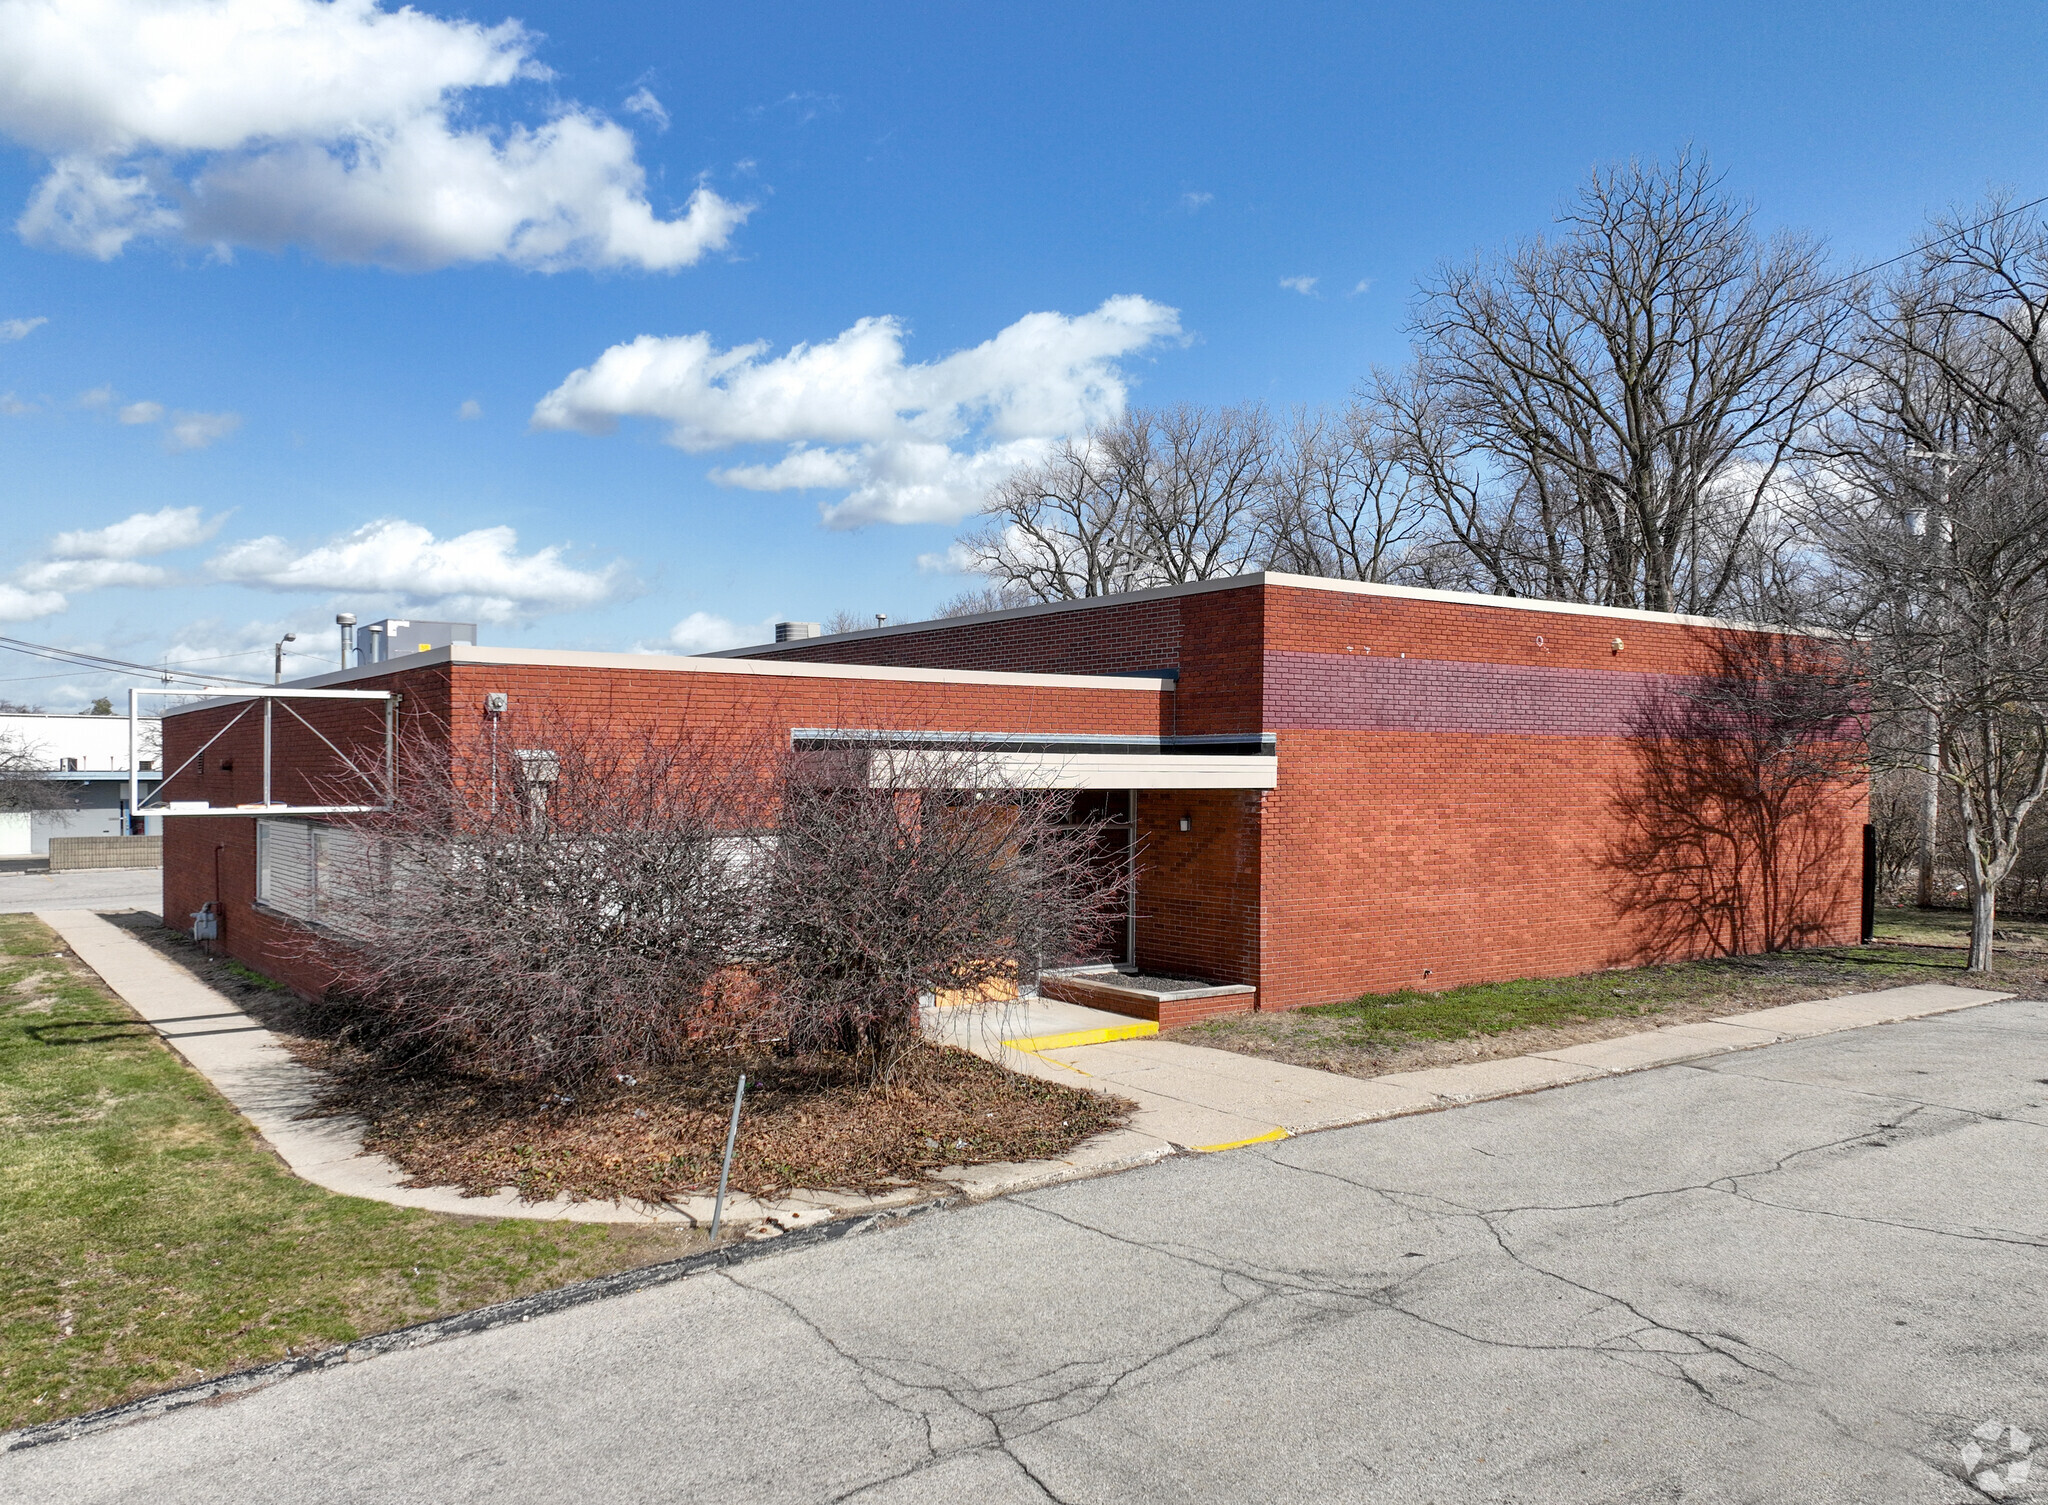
[[83, 660], [1915, 250]]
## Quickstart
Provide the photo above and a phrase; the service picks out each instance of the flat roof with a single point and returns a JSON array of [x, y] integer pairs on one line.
[[677, 663], [1244, 582]]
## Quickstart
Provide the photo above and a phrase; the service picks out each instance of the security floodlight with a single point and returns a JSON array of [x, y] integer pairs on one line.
[[277, 658]]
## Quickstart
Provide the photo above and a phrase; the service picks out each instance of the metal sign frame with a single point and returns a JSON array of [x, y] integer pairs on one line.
[[269, 697]]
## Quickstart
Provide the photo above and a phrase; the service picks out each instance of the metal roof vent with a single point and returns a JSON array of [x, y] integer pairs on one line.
[[789, 632]]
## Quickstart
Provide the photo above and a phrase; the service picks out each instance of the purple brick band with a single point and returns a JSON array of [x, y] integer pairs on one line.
[[1347, 692]]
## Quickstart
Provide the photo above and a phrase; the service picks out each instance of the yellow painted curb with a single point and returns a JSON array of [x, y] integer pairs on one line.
[[1068, 1041], [1237, 1144]]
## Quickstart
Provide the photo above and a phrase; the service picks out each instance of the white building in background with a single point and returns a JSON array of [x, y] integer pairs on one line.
[[88, 757]]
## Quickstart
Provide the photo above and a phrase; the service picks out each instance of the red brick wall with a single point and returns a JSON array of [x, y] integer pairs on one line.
[[1460, 814], [1211, 637], [453, 696], [1453, 777], [1198, 890], [1137, 637]]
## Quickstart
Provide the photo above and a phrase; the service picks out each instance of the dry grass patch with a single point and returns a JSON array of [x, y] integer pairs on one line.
[[1407, 1031]]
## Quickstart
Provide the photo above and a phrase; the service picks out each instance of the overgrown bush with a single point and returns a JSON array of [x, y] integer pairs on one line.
[[615, 898], [900, 873], [552, 911]]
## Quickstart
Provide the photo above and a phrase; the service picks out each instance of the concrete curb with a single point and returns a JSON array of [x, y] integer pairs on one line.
[[456, 1325]]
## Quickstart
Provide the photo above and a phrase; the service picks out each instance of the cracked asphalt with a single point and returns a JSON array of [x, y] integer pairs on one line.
[[1805, 1272]]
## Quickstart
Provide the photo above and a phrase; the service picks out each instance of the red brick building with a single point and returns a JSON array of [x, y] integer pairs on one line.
[[1336, 788]]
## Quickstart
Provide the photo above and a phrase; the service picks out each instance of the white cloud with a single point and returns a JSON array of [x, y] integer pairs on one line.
[[957, 560], [478, 574], [337, 126], [702, 632], [19, 329], [142, 534], [186, 431], [912, 442], [1194, 200], [1306, 286], [190, 431], [90, 574], [98, 558], [13, 405], [1363, 285], [18, 605], [470, 408], [642, 102]]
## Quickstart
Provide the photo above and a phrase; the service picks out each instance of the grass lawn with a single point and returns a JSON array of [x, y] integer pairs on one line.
[[1382, 1032], [148, 1239]]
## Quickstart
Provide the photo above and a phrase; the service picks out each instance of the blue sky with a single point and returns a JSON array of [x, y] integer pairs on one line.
[[235, 223]]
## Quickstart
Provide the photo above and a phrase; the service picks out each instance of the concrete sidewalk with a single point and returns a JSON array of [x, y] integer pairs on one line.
[[1190, 1097]]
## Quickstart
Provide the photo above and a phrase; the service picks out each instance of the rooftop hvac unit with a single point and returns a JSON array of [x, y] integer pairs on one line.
[[394, 637], [786, 632]]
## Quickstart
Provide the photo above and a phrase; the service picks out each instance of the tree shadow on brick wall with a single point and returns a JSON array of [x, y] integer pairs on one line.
[[1736, 829]]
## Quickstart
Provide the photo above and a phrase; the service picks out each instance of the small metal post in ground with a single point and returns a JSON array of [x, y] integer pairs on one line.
[[732, 1133]]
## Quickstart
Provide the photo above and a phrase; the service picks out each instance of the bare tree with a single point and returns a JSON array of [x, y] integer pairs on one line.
[[1153, 498], [1932, 502], [910, 870], [1607, 416], [974, 603], [1064, 529], [552, 911], [1199, 477], [1339, 501], [23, 789]]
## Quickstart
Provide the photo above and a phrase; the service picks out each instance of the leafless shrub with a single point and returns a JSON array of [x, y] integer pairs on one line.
[[554, 910], [904, 870]]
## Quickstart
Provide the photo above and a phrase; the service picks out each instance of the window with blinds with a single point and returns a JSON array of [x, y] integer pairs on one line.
[[298, 863]]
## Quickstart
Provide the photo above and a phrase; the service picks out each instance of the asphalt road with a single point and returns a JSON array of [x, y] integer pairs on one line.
[[1804, 1273]]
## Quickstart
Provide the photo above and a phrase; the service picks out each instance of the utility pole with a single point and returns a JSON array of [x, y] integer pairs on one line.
[[277, 658], [1930, 796]]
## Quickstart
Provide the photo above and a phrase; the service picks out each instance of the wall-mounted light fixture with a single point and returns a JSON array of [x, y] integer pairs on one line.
[[1617, 645], [1186, 824]]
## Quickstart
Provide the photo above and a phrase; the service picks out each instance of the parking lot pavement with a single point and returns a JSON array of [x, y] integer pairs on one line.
[[1810, 1271], [88, 888]]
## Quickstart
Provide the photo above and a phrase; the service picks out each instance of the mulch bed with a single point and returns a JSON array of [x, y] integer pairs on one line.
[[807, 1123]]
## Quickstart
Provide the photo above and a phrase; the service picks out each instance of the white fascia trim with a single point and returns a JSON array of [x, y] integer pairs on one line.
[[1265, 577], [676, 663], [1023, 770]]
